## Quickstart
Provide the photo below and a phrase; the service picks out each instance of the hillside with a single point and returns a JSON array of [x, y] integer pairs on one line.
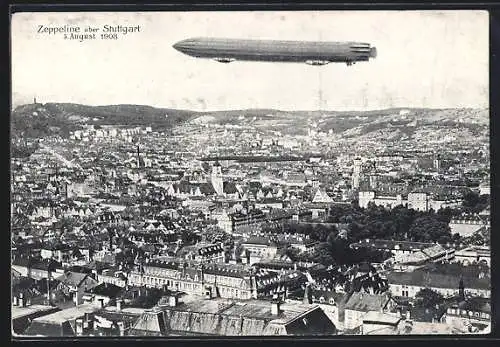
[[37, 120]]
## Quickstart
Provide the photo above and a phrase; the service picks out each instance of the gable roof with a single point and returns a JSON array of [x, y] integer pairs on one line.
[[74, 279], [366, 302]]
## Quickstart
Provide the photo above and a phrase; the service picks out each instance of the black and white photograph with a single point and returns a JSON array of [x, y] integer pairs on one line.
[[250, 173]]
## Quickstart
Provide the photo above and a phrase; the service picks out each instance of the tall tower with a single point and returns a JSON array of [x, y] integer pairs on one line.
[[356, 174], [437, 163], [138, 159], [217, 179]]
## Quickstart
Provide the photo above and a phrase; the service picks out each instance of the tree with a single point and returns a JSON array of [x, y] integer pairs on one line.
[[474, 203], [323, 255], [428, 298], [429, 229]]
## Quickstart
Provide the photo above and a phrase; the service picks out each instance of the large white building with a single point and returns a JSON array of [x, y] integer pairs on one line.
[[416, 201]]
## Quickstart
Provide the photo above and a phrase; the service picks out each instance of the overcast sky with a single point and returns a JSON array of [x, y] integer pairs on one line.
[[425, 59]]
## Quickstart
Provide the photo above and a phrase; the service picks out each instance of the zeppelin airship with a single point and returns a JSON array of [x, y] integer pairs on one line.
[[313, 53]]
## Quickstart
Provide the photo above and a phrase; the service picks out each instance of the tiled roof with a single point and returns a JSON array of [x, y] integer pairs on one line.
[[380, 317], [73, 278], [366, 302], [437, 280], [228, 270], [151, 323], [226, 317]]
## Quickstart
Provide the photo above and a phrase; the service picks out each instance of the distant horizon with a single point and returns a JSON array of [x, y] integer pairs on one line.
[[13, 107]]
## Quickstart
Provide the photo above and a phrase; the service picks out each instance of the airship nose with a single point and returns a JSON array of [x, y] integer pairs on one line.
[[181, 46], [373, 52], [178, 45]]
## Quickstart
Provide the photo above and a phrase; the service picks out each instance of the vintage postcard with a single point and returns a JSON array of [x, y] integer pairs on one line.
[[207, 174]]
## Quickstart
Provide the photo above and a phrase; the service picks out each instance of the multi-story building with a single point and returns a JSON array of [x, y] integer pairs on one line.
[[260, 247], [222, 280], [417, 200], [470, 255], [408, 284], [467, 314], [244, 222], [238, 223]]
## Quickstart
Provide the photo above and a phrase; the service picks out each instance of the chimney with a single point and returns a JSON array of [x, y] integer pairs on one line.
[[408, 315], [172, 300], [15, 302], [79, 327], [22, 302], [119, 305], [275, 306]]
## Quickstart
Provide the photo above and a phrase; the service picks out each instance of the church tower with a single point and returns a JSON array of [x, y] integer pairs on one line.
[[356, 174], [217, 179]]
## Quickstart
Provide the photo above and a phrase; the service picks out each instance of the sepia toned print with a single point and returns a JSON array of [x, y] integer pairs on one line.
[[207, 174]]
